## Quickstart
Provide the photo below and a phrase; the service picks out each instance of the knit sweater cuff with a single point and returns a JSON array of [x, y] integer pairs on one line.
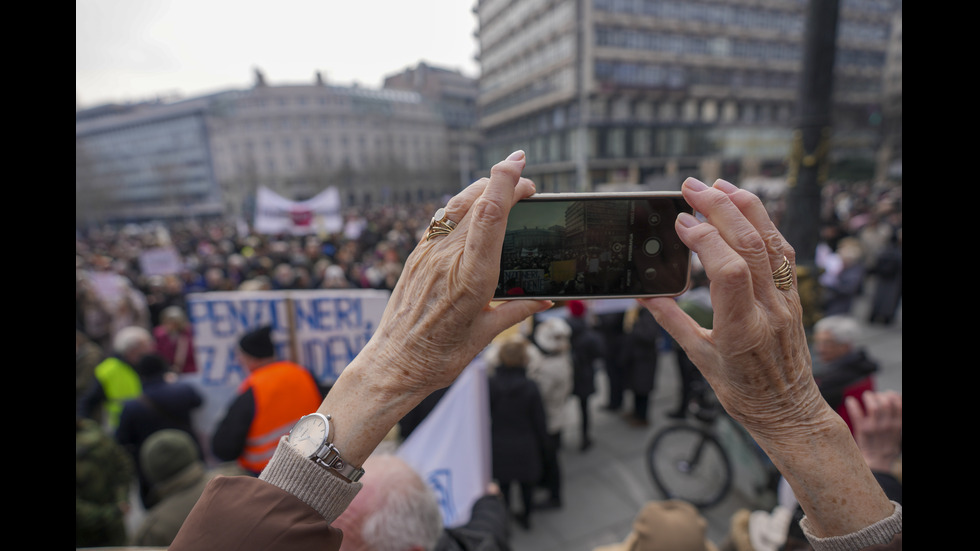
[[878, 533], [328, 494]]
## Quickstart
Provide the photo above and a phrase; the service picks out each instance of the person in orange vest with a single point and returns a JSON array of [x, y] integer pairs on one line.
[[274, 395]]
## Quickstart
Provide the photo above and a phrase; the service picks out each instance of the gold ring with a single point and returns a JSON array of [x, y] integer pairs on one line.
[[783, 276], [440, 224]]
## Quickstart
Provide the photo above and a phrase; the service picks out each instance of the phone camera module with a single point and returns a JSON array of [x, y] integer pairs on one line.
[[652, 246]]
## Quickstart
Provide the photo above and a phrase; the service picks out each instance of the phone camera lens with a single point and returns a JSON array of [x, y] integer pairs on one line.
[[655, 219], [652, 246], [650, 274]]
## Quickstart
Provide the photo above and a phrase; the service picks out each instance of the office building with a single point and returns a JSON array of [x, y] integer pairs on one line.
[[627, 94]]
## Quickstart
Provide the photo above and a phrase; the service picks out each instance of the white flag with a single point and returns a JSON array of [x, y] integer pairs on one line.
[[276, 214], [450, 448]]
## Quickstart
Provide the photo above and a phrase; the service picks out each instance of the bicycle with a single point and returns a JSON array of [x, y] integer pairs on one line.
[[702, 461]]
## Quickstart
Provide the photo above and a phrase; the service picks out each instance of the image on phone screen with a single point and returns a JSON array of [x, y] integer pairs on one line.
[[565, 246]]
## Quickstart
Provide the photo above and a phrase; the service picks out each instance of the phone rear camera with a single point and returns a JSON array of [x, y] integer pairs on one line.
[[655, 219], [652, 246], [650, 274]]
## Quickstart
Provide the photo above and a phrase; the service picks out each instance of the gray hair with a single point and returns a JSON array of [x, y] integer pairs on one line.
[[845, 329], [410, 517], [129, 338]]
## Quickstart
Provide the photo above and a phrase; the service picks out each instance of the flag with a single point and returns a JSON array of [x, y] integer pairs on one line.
[[450, 448], [276, 214]]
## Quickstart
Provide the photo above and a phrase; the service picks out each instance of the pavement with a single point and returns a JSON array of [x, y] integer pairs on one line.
[[605, 486]]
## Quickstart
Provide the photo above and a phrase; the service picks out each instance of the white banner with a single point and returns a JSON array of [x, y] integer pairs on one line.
[[276, 214], [450, 448], [322, 330]]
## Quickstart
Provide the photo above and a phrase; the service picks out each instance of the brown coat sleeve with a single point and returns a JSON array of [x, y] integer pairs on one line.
[[242, 512]]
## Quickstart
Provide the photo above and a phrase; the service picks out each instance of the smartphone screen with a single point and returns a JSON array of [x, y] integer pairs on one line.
[[592, 245]]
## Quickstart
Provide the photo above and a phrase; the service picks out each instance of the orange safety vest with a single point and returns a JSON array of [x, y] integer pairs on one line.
[[283, 392]]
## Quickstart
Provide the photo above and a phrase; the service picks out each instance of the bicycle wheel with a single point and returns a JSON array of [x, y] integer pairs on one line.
[[688, 463]]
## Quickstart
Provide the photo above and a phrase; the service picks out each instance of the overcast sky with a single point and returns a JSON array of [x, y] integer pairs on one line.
[[128, 50]]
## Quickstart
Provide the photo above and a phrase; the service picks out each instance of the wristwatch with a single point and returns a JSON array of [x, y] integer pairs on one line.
[[312, 436]]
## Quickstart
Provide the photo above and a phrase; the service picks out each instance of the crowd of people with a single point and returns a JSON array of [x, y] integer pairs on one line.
[[127, 316]]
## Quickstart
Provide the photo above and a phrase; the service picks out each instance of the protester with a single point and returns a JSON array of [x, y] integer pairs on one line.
[[172, 466], [88, 354], [116, 379], [519, 438], [611, 326], [162, 404], [587, 350], [395, 509], [274, 395], [103, 473], [695, 302], [175, 340], [640, 357], [840, 293], [551, 369], [844, 369], [887, 275], [756, 353]]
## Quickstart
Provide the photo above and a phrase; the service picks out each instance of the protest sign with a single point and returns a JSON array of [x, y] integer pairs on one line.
[[160, 261], [322, 330]]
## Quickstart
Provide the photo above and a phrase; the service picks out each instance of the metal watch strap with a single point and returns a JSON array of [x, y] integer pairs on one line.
[[329, 456]]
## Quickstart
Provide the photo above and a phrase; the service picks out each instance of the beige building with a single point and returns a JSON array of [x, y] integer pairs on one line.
[[626, 93], [376, 146]]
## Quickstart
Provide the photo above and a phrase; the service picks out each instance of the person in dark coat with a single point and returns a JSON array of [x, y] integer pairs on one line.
[[887, 272], [640, 354], [610, 326], [587, 348], [163, 404], [518, 431]]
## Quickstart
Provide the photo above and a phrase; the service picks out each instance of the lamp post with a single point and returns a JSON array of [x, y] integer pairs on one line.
[[809, 154]]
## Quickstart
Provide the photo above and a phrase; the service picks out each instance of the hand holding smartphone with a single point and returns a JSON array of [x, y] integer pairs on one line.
[[563, 246]]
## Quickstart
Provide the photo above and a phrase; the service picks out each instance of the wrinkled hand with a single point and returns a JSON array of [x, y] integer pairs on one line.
[[755, 357], [877, 427], [438, 317]]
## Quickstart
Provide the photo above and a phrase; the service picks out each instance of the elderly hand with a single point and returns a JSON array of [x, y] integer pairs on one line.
[[877, 427], [438, 317], [756, 359], [756, 356]]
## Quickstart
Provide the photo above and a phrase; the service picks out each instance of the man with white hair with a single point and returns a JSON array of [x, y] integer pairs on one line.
[[116, 379], [397, 511], [844, 369]]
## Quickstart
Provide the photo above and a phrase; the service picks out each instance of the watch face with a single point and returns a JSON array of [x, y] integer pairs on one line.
[[308, 434]]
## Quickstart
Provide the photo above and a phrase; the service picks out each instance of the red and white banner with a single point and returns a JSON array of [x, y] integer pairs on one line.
[[275, 214]]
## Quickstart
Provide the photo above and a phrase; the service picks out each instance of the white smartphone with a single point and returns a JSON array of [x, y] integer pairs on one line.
[[562, 246]]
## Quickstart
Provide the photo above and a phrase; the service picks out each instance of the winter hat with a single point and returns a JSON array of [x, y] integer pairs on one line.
[[151, 366], [552, 335], [670, 525], [258, 343], [166, 453], [576, 308]]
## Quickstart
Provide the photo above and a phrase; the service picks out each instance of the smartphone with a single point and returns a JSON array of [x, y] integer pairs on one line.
[[562, 246]]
